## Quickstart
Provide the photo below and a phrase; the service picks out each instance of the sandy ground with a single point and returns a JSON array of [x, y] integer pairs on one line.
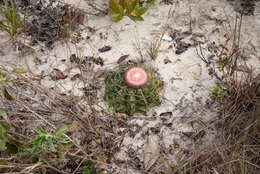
[[187, 83]]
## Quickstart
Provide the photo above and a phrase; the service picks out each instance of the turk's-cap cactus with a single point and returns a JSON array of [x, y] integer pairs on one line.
[[132, 89]]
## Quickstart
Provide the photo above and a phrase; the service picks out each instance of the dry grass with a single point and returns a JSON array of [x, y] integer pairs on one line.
[[91, 131], [239, 127], [154, 48]]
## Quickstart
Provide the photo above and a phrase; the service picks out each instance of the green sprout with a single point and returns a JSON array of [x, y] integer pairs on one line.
[[218, 93], [44, 141]]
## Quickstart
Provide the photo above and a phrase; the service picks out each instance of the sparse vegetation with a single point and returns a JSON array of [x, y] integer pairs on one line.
[[238, 93], [46, 131]]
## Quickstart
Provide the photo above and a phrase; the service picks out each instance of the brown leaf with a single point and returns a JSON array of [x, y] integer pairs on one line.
[[166, 114], [76, 76], [122, 58], [80, 18], [59, 74], [170, 47], [188, 134], [105, 49], [37, 77]]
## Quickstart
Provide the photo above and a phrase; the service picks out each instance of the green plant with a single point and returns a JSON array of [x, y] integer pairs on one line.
[[8, 143], [44, 142], [134, 9], [12, 23], [218, 93], [129, 100], [88, 168], [3, 136], [3, 82], [174, 170]]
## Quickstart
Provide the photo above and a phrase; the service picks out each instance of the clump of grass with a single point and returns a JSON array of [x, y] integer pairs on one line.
[[128, 100], [154, 48], [11, 22]]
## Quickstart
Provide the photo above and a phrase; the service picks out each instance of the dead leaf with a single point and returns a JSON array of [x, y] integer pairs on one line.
[[170, 47], [19, 71], [104, 159], [122, 58], [80, 18], [118, 116], [195, 76], [151, 151], [164, 114], [76, 76], [37, 77], [105, 49], [97, 127], [188, 134], [59, 74]]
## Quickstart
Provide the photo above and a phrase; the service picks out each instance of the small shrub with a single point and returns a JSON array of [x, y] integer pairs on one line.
[[129, 100], [44, 142], [218, 93], [134, 9]]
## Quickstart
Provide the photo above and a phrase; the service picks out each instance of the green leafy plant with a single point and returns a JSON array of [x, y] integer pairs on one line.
[[134, 9], [129, 100], [88, 168], [174, 170], [218, 93], [3, 136], [8, 143], [3, 82], [11, 22], [44, 142]]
